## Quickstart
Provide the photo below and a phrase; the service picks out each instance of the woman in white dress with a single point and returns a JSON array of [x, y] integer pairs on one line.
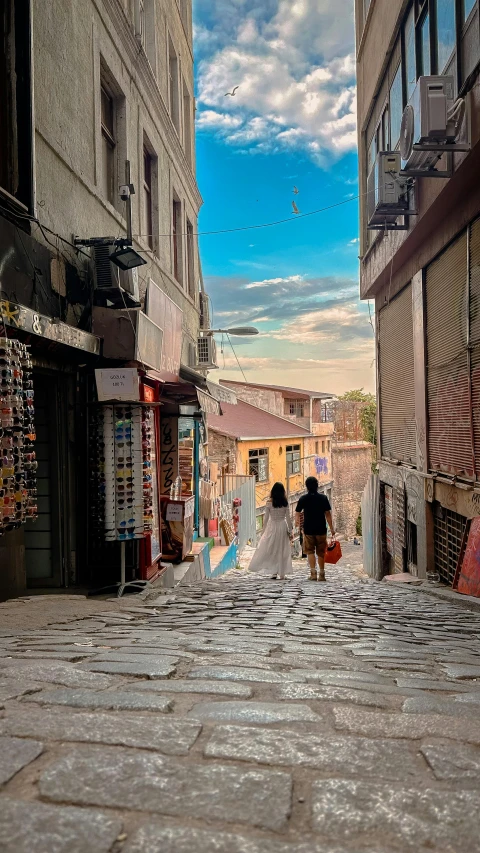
[[274, 553]]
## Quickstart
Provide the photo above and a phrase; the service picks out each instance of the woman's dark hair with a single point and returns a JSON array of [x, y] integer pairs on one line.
[[311, 484], [278, 495]]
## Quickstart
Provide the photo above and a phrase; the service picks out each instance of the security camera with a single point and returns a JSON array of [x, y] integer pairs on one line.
[[125, 192]]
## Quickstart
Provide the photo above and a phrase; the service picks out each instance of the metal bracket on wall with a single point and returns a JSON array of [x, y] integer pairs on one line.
[[434, 173]]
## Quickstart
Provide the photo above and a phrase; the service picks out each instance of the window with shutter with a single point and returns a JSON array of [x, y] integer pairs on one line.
[[397, 385], [474, 336], [449, 395]]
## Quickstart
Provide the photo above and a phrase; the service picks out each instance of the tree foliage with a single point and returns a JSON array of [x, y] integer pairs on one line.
[[368, 411]]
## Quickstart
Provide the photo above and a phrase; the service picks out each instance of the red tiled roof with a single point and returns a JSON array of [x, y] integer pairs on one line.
[[293, 392], [246, 421]]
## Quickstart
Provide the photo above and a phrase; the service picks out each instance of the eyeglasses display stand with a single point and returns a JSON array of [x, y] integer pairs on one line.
[[121, 442], [18, 464]]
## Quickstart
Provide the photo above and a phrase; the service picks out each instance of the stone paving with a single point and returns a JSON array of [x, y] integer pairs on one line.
[[245, 715]]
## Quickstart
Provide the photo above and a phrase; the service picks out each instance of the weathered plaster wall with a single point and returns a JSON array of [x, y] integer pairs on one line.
[[71, 43], [352, 465], [222, 449]]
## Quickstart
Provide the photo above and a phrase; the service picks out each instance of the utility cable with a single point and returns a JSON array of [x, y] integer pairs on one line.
[[261, 225], [202, 233], [236, 356]]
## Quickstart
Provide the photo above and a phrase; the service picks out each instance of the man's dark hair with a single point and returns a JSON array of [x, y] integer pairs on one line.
[[311, 484]]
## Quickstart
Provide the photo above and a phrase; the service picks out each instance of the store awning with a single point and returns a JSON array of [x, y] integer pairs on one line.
[[210, 396], [220, 393], [208, 404]]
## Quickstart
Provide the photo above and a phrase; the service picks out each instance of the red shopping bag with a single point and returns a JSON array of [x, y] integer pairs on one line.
[[333, 553]]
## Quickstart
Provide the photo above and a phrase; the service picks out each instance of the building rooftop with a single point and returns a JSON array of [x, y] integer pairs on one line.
[[244, 421], [294, 393]]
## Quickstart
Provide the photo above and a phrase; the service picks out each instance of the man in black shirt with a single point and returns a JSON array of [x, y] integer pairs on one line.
[[317, 512]]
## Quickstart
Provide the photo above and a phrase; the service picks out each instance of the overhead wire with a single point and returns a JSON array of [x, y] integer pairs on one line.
[[236, 356], [260, 225], [237, 229]]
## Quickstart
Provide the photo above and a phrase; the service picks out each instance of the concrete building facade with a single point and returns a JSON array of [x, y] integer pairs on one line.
[[90, 87], [424, 281]]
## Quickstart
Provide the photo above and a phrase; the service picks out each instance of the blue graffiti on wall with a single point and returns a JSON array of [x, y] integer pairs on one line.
[[321, 464]]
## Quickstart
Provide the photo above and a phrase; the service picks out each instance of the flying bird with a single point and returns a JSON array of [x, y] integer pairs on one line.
[[232, 93], [295, 208], [296, 191]]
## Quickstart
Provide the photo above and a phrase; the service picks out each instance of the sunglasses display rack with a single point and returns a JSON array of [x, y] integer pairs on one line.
[[121, 479], [18, 479]]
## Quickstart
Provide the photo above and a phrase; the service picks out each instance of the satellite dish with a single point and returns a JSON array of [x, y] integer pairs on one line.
[[406, 132]]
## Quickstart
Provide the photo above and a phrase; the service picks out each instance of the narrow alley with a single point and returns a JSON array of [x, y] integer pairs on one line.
[[244, 716]]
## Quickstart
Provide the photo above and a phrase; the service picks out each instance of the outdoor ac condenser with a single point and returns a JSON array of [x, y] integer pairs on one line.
[[426, 122], [206, 353], [118, 287], [387, 196]]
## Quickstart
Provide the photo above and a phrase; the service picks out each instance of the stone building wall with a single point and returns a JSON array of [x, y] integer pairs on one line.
[[268, 400], [352, 464], [222, 449]]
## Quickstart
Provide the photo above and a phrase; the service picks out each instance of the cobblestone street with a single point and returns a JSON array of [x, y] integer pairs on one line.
[[245, 715]]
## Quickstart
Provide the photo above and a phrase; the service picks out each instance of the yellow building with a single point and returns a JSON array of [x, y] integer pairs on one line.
[[258, 443]]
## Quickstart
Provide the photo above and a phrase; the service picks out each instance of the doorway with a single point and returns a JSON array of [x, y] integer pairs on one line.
[[46, 537]]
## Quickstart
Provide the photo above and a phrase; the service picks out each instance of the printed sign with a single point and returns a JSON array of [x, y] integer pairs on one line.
[[174, 512], [117, 384], [168, 453]]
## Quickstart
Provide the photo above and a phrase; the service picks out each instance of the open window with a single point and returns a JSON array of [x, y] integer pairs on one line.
[[173, 87], [293, 459], [191, 261], [16, 163], [177, 260], [258, 464]]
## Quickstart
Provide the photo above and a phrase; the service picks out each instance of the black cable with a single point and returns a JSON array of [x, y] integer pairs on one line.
[[235, 354], [200, 233], [31, 218], [34, 269], [262, 225]]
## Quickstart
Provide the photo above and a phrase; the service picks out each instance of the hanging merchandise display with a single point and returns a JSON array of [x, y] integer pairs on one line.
[[186, 441], [122, 487], [18, 479]]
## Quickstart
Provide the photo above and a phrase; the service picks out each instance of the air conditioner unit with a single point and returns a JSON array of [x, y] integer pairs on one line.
[[192, 355], [107, 275], [204, 310], [430, 124], [206, 353], [115, 288], [129, 282], [387, 192]]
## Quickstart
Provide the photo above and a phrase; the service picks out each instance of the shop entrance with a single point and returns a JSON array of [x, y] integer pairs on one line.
[[46, 538]]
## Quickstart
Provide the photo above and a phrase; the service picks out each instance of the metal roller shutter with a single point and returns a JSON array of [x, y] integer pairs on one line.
[[475, 335], [397, 385], [449, 398]]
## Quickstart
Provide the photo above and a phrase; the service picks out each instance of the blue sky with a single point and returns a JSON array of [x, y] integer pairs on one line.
[[290, 123]]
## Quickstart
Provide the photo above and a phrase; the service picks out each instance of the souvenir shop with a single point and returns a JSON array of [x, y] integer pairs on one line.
[[42, 438], [145, 451]]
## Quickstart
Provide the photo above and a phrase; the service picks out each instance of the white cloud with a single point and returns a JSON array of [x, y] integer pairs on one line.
[[354, 241], [295, 71], [218, 120], [342, 322], [291, 279]]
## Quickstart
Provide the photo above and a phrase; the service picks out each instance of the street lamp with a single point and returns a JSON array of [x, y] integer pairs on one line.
[[241, 331]]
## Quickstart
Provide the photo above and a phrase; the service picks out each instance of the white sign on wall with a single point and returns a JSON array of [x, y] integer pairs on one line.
[[118, 384]]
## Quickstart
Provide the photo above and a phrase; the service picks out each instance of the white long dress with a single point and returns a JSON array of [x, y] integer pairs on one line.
[[274, 552]]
